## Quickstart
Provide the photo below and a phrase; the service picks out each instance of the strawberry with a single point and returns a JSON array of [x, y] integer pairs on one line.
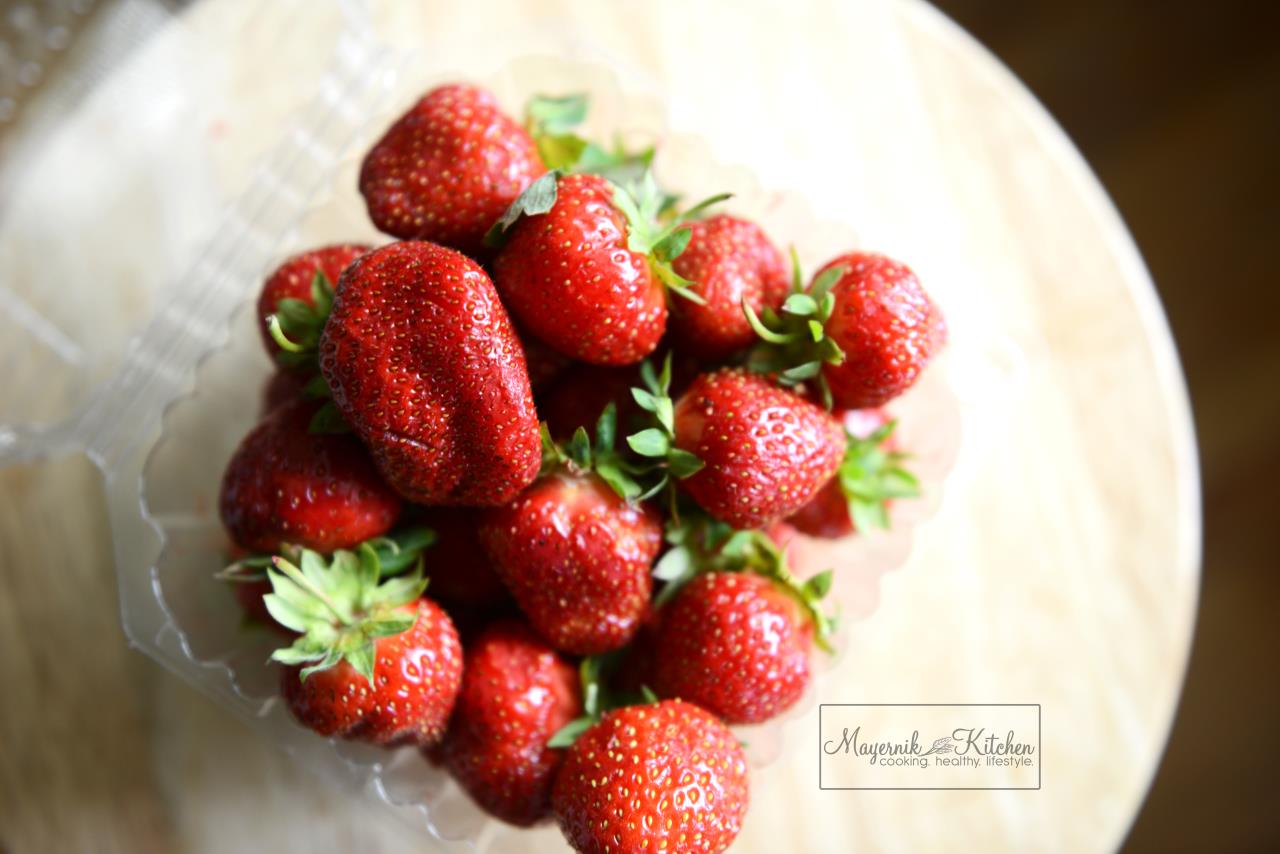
[[545, 364], [448, 168], [297, 296], [585, 266], [664, 777], [375, 662], [461, 574], [422, 361], [764, 451], [283, 386], [578, 397], [870, 477], [736, 644], [731, 262], [516, 694], [864, 331], [285, 484], [574, 552]]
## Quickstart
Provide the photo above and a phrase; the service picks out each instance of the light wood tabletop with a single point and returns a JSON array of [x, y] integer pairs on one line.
[[1060, 568]]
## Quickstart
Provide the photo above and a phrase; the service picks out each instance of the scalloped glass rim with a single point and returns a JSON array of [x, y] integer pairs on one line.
[[200, 430]]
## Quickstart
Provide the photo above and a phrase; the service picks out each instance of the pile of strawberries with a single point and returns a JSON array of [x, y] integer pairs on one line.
[[523, 489]]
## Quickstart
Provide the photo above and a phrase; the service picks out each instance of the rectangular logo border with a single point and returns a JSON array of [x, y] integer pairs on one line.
[[1039, 743]]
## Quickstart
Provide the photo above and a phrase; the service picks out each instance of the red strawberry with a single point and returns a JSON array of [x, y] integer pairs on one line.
[[585, 266], [578, 397], [282, 387], [870, 477], [863, 331], [285, 484], [448, 168], [375, 662], [885, 324], [516, 694], [570, 277], [730, 260], [765, 451], [545, 364], [577, 558], [664, 777], [423, 362], [735, 644], [460, 572], [294, 295]]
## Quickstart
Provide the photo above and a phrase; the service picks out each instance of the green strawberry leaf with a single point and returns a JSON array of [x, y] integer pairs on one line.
[[652, 442], [556, 114], [538, 198], [568, 734]]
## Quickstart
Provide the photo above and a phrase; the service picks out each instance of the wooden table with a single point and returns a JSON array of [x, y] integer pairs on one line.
[[1061, 568]]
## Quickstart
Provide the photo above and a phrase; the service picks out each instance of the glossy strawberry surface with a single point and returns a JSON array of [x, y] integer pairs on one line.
[[765, 450], [731, 261], [570, 279], [577, 558], [827, 515], [735, 644], [423, 362], [448, 168], [293, 278], [887, 327], [662, 777], [285, 484], [417, 675], [516, 693]]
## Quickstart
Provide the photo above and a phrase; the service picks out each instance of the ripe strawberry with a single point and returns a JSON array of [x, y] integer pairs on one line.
[[736, 644], [423, 362], [516, 694], [585, 267], [285, 484], [282, 387], [870, 477], [298, 294], [376, 662], [731, 261], [885, 324], [864, 330], [461, 574], [578, 397], [765, 451], [664, 777], [573, 551], [544, 363], [448, 168]]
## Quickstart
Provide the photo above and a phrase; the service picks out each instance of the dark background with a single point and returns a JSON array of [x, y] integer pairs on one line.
[[1176, 105]]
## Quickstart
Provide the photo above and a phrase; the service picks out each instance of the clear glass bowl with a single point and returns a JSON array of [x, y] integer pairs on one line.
[[162, 414], [201, 429]]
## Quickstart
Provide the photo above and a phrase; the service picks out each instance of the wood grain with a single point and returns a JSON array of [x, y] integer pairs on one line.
[[1061, 567]]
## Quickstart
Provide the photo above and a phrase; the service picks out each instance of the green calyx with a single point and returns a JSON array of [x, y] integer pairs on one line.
[[595, 674], [296, 324], [654, 228], [701, 544], [343, 604], [793, 342], [552, 121], [581, 455], [658, 442], [871, 476], [657, 232]]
